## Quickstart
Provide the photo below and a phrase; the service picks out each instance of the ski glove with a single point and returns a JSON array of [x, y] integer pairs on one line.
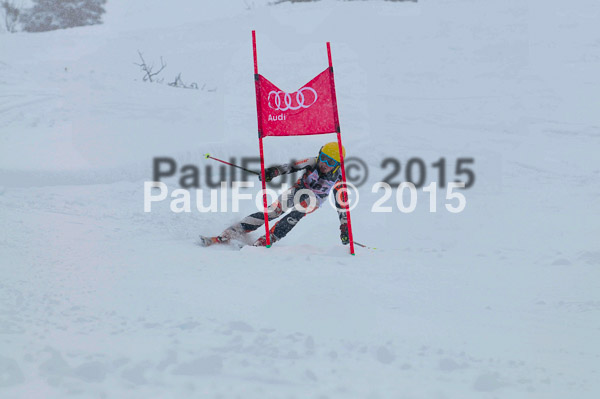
[[270, 173], [344, 234]]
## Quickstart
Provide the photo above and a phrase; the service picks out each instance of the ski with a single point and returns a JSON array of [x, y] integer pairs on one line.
[[208, 241], [205, 241]]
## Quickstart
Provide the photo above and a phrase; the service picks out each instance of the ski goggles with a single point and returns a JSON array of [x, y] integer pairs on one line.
[[327, 160]]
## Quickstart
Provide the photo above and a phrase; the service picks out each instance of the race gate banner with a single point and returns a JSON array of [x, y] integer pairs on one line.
[[309, 110]]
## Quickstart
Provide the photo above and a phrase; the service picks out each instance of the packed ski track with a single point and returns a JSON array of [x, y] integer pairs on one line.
[[100, 299]]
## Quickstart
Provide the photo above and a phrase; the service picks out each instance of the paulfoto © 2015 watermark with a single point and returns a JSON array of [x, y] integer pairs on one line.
[[390, 170], [226, 198]]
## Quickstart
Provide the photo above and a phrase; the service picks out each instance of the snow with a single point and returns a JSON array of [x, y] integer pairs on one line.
[[100, 299]]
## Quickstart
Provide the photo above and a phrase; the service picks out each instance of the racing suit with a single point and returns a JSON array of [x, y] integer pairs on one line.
[[294, 199]]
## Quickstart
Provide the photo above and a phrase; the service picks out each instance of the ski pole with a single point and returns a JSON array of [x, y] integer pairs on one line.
[[363, 245], [207, 156]]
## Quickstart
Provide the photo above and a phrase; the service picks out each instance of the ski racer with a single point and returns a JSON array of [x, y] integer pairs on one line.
[[321, 175]]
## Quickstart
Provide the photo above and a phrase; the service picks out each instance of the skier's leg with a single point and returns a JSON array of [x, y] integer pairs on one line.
[[286, 223], [252, 222], [257, 219]]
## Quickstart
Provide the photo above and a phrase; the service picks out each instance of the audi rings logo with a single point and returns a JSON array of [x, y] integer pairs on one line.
[[282, 101]]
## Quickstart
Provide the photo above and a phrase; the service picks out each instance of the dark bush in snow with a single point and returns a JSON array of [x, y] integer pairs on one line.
[[48, 15], [11, 14]]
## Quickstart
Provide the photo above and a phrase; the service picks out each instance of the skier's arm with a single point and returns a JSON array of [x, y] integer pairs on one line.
[[296, 166], [286, 168], [342, 215]]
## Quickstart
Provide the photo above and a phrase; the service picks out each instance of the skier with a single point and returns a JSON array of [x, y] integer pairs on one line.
[[322, 174]]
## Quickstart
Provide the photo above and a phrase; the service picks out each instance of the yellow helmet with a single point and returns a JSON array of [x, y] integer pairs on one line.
[[332, 150], [330, 155]]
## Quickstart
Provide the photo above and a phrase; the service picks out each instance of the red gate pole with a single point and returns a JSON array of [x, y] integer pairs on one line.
[[339, 139], [260, 143]]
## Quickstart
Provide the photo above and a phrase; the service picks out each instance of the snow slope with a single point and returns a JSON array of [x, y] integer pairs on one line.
[[100, 299]]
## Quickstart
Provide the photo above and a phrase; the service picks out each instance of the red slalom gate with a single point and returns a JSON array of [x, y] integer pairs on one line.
[[310, 110]]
